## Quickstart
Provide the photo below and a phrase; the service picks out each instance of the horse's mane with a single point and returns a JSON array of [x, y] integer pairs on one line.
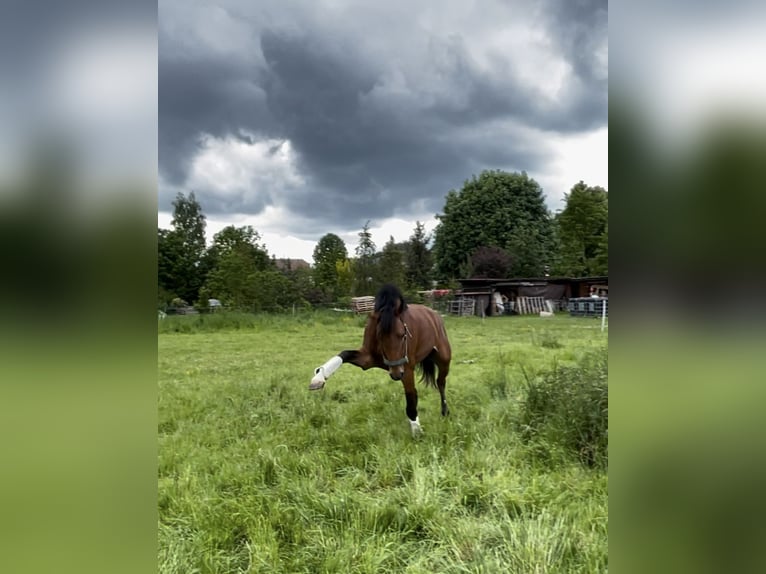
[[385, 306]]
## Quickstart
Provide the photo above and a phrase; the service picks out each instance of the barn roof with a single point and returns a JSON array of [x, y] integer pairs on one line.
[[527, 281]]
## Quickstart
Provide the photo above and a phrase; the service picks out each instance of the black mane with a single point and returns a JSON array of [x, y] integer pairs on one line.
[[385, 306]]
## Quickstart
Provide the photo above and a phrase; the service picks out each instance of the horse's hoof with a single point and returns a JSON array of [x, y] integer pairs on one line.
[[415, 428], [317, 383]]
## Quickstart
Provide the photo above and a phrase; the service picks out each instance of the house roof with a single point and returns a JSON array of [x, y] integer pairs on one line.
[[282, 264]]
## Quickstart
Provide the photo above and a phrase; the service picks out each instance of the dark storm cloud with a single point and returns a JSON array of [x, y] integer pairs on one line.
[[579, 27], [373, 130], [204, 97]]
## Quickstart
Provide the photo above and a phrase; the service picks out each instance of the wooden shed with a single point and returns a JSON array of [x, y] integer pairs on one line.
[[527, 295]]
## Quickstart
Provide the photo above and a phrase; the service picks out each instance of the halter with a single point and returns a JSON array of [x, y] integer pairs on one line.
[[404, 360]]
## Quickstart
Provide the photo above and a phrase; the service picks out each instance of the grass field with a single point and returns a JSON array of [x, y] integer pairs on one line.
[[257, 474]]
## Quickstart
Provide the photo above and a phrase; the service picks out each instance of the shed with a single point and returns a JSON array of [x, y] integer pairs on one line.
[[526, 295]]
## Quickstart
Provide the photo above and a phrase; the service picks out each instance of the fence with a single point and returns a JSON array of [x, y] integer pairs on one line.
[[462, 307], [588, 306], [356, 305]]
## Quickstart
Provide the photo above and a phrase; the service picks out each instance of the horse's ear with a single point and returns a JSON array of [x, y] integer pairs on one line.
[[399, 306]]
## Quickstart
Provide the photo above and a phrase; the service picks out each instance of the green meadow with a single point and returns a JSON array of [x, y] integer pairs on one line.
[[258, 474]]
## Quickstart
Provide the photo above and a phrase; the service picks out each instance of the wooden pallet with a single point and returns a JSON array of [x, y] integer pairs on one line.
[[364, 304], [531, 305]]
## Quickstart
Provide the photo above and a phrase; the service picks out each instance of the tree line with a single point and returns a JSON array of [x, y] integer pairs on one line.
[[496, 225]]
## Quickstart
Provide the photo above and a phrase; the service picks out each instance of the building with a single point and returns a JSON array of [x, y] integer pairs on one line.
[[291, 264], [558, 290]]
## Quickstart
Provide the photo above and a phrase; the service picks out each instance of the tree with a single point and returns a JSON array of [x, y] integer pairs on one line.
[[601, 259], [364, 266], [392, 268], [240, 263], [500, 209], [581, 228], [181, 250], [244, 239], [189, 221], [345, 271], [330, 250], [490, 262], [418, 260], [233, 280], [169, 253]]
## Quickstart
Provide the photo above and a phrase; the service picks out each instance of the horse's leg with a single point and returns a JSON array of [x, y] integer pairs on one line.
[[411, 395], [441, 382], [359, 358]]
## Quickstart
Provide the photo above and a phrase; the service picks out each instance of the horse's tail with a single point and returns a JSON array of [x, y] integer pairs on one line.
[[428, 370]]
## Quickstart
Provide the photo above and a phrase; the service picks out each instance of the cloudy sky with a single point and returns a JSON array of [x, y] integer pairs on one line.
[[308, 117]]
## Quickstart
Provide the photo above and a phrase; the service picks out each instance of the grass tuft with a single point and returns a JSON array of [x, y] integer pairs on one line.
[[568, 408]]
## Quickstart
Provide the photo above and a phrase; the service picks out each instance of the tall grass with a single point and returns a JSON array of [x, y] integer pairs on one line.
[[239, 321], [256, 474], [568, 407]]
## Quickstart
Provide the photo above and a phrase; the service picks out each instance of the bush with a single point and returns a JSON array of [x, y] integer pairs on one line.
[[568, 408]]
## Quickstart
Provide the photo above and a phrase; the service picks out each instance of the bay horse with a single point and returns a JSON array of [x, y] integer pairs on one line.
[[398, 338]]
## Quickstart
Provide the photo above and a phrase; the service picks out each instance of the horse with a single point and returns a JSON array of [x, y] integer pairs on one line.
[[398, 338]]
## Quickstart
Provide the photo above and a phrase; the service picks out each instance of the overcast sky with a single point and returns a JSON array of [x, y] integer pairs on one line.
[[308, 117]]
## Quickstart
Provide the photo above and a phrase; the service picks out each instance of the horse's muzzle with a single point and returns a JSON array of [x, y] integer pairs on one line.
[[396, 375]]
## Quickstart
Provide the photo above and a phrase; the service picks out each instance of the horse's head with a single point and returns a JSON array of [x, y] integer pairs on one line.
[[392, 332]]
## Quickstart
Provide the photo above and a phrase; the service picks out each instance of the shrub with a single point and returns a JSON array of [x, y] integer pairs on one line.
[[568, 408]]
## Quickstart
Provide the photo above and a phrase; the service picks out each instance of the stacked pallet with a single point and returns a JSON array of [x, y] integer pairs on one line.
[[364, 304]]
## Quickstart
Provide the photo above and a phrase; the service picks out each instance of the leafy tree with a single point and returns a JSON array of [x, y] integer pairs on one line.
[[581, 228], [531, 251], [392, 268], [169, 255], [365, 265], [233, 280], [181, 250], [238, 260], [244, 239], [329, 251], [345, 271], [302, 285], [501, 209], [273, 291], [189, 221], [418, 260], [601, 259], [490, 262]]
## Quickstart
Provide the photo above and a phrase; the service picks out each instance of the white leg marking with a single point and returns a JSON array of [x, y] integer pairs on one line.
[[331, 366], [415, 427], [321, 374]]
